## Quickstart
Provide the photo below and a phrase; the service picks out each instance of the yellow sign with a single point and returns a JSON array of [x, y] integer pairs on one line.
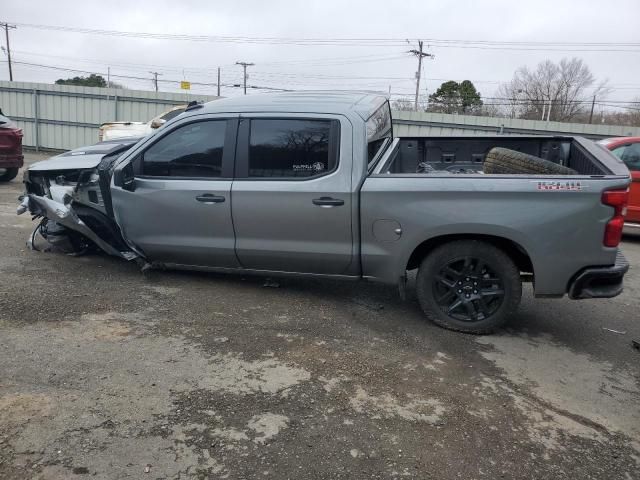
[[184, 85]]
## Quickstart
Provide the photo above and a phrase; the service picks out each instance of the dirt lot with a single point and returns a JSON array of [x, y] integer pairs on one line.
[[110, 374]]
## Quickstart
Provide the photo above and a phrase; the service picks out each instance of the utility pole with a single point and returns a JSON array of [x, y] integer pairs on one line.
[[155, 79], [218, 81], [593, 104], [420, 54], [244, 66], [6, 27]]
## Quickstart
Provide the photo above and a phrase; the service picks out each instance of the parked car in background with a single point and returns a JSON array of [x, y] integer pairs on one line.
[[115, 130], [11, 158], [627, 149], [316, 184]]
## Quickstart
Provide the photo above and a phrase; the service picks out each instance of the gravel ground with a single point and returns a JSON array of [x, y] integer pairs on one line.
[[109, 373]]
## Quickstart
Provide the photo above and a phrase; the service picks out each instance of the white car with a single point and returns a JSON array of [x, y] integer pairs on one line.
[[114, 130]]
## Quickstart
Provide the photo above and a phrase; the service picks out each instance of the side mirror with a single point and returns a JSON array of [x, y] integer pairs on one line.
[[158, 122], [124, 178]]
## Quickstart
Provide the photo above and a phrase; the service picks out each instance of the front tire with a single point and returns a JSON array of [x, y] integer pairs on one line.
[[469, 286]]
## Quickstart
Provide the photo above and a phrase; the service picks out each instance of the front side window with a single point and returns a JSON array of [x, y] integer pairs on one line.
[[193, 150], [290, 148]]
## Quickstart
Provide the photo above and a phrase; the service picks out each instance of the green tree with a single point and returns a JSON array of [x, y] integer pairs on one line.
[[454, 97], [92, 80]]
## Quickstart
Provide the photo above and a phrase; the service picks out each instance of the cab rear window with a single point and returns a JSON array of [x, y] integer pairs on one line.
[[378, 131]]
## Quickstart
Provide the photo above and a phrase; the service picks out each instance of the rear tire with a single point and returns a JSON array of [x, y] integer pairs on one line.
[[505, 161], [8, 174], [469, 286]]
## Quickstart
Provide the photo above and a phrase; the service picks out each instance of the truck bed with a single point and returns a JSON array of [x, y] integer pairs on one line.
[[557, 222], [466, 155]]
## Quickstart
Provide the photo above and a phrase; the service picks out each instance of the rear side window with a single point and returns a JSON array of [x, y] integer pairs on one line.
[[193, 150], [291, 148]]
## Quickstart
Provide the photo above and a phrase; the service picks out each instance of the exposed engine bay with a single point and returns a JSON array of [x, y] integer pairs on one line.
[[70, 194]]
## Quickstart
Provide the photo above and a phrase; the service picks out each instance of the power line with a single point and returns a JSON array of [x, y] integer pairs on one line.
[[319, 62], [268, 75], [354, 42], [487, 100]]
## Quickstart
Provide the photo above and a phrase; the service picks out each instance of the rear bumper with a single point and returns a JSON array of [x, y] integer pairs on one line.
[[11, 160], [599, 282]]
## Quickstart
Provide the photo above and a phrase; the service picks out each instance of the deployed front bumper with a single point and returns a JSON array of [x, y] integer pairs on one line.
[[599, 282], [64, 215]]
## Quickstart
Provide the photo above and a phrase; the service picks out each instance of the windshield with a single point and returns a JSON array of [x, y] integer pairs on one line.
[[379, 132]]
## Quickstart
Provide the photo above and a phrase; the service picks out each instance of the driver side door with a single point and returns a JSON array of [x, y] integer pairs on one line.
[[175, 206]]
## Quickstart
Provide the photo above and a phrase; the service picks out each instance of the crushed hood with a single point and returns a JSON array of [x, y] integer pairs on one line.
[[84, 157]]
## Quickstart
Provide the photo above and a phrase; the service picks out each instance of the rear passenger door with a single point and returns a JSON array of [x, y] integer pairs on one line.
[[292, 201]]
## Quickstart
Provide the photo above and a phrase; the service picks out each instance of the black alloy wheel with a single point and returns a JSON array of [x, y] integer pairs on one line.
[[468, 290], [468, 285]]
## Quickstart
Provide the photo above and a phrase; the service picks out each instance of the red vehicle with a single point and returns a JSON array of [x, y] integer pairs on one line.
[[627, 149], [11, 158]]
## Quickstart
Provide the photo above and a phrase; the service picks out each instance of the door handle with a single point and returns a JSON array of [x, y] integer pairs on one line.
[[210, 198], [328, 202]]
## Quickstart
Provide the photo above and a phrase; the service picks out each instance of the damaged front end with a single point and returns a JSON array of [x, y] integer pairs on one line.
[[70, 193]]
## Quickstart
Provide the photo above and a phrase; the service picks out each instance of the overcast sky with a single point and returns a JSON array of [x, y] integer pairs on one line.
[[372, 67]]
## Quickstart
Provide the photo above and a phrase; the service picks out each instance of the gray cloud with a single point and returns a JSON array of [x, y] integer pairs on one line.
[[301, 66]]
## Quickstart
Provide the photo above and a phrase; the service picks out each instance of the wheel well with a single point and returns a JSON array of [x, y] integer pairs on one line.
[[515, 251]]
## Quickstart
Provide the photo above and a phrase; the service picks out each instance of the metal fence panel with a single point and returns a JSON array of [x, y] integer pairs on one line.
[[62, 117]]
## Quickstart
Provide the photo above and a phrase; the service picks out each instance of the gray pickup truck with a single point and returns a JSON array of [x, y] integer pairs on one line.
[[316, 184]]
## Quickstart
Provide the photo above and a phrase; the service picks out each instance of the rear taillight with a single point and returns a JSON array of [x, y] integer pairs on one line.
[[613, 230]]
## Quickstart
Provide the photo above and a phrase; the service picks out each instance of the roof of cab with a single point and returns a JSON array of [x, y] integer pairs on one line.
[[363, 104]]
